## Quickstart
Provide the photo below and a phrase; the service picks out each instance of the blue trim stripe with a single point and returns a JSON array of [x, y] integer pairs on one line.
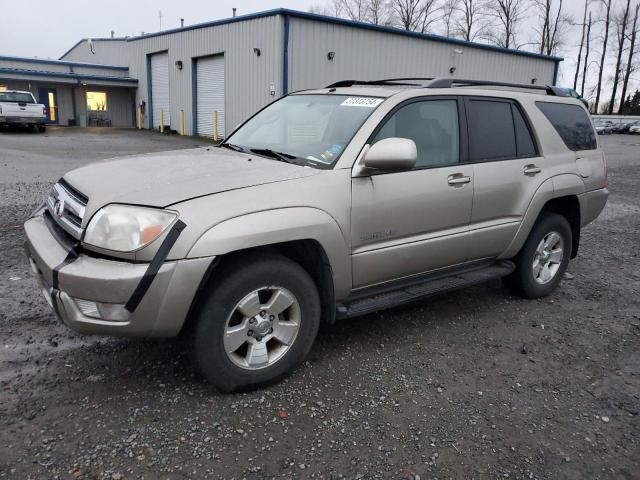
[[194, 96], [350, 23], [285, 57], [69, 75], [149, 92], [62, 62]]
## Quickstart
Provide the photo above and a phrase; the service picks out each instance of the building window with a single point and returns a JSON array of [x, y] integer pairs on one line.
[[96, 101]]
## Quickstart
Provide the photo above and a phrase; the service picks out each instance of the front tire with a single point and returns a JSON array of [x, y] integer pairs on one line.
[[542, 261], [257, 325]]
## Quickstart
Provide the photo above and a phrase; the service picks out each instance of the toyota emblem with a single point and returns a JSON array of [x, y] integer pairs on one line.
[[58, 208]]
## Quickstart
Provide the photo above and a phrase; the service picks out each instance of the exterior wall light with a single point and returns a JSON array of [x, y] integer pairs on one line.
[[452, 69], [179, 64], [533, 81], [331, 55], [257, 51]]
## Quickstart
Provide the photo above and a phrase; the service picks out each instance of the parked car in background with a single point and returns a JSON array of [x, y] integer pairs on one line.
[[19, 108], [328, 203], [603, 127], [635, 128]]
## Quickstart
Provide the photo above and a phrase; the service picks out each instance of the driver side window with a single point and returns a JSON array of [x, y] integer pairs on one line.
[[432, 125]]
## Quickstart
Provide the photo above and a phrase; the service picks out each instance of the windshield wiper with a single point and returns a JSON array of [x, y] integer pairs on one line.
[[235, 148], [283, 157]]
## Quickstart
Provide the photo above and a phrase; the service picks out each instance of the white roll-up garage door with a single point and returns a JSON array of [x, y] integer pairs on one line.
[[160, 89], [210, 94]]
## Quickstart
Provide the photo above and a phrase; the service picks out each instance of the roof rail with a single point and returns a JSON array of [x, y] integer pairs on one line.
[[446, 82], [389, 81]]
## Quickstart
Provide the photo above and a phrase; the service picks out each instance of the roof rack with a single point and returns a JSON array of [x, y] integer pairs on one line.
[[447, 82]]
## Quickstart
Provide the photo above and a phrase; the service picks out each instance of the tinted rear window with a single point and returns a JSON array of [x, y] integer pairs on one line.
[[572, 124], [491, 131], [16, 97]]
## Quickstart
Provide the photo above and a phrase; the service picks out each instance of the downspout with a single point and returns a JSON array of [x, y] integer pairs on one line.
[[285, 57], [149, 93], [555, 71], [194, 97], [73, 105]]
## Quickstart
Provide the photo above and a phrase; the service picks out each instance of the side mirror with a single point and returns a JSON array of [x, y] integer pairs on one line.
[[391, 155]]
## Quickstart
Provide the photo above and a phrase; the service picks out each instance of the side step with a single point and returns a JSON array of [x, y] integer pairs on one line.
[[422, 288]]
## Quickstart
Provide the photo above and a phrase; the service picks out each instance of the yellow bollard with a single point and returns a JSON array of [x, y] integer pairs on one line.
[[181, 122], [215, 126], [139, 118], [162, 120]]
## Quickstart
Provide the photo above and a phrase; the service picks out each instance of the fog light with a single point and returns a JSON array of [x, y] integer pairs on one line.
[[113, 312]]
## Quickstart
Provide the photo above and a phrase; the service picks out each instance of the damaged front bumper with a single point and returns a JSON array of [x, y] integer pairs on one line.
[[90, 295]]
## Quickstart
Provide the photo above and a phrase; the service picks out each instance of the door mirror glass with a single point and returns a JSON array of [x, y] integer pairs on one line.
[[391, 155]]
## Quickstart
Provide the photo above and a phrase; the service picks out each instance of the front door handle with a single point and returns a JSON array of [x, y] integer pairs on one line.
[[458, 179], [532, 170]]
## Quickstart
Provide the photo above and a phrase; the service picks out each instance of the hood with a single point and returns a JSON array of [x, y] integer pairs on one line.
[[162, 179]]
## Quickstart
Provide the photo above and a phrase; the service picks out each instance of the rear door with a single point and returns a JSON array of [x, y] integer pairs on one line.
[[508, 170], [49, 98], [407, 223]]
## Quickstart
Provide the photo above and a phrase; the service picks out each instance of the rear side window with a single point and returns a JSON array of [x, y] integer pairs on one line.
[[491, 131], [572, 124]]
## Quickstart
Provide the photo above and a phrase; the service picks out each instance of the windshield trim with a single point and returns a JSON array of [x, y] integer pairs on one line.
[[308, 162]]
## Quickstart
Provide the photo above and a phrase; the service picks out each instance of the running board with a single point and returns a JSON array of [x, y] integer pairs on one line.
[[423, 288]]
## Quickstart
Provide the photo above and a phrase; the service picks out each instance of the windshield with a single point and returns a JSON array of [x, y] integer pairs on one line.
[[16, 97], [308, 129]]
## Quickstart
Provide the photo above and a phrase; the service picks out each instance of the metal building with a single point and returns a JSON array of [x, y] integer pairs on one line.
[[223, 71]]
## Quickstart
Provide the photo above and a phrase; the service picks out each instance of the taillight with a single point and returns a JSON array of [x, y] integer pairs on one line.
[[44, 111], [605, 181]]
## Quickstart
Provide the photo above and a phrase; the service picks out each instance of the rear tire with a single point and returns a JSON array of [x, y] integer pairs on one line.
[[257, 324], [542, 261], [42, 128]]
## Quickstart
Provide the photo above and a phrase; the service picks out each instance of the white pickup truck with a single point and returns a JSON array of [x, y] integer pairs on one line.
[[21, 108]]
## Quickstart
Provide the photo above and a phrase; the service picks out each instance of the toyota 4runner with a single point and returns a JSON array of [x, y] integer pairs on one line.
[[325, 204]]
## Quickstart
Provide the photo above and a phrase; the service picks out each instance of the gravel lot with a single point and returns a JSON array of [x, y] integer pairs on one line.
[[473, 384]]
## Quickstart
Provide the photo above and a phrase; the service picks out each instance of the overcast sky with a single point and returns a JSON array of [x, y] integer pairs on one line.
[[47, 29]]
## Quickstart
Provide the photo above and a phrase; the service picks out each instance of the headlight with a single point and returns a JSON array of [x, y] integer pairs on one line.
[[125, 228]]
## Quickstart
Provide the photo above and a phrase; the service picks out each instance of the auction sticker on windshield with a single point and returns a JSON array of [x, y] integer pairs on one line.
[[361, 102]]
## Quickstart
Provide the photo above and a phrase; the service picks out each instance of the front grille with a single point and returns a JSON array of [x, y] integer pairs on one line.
[[66, 206]]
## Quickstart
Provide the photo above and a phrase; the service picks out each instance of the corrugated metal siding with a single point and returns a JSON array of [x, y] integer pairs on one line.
[[160, 96], [210, 85], [368, 55], [107, 52], [248, 76]]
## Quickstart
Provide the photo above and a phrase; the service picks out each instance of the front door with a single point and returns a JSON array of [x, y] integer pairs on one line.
[[49, 98], [407, 223]]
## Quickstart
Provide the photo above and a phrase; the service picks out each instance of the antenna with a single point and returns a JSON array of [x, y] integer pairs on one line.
[[182, 23], [113, 33], [160, 18], [234, 11]]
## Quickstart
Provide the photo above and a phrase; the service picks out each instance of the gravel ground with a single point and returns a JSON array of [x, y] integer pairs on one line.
[[473, 384]]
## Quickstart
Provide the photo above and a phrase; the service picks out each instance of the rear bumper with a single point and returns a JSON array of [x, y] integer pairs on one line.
[[161, 313], [591, 205], [22, 120]]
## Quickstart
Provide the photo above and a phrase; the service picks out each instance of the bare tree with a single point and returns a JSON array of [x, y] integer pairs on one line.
[[415, 15], [552, 23], [449, 9], [607, 21], [586, 56], [621, 22], [377, 12], [467, 22], [584, 26], [408, 12], [505, 16], [355, 10], [630, 65]]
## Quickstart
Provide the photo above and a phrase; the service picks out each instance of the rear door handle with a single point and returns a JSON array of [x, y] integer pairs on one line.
[[458, 179], [532, 170]]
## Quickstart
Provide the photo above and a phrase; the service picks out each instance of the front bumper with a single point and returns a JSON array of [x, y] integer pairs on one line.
[[23, 120], [161, 313]]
